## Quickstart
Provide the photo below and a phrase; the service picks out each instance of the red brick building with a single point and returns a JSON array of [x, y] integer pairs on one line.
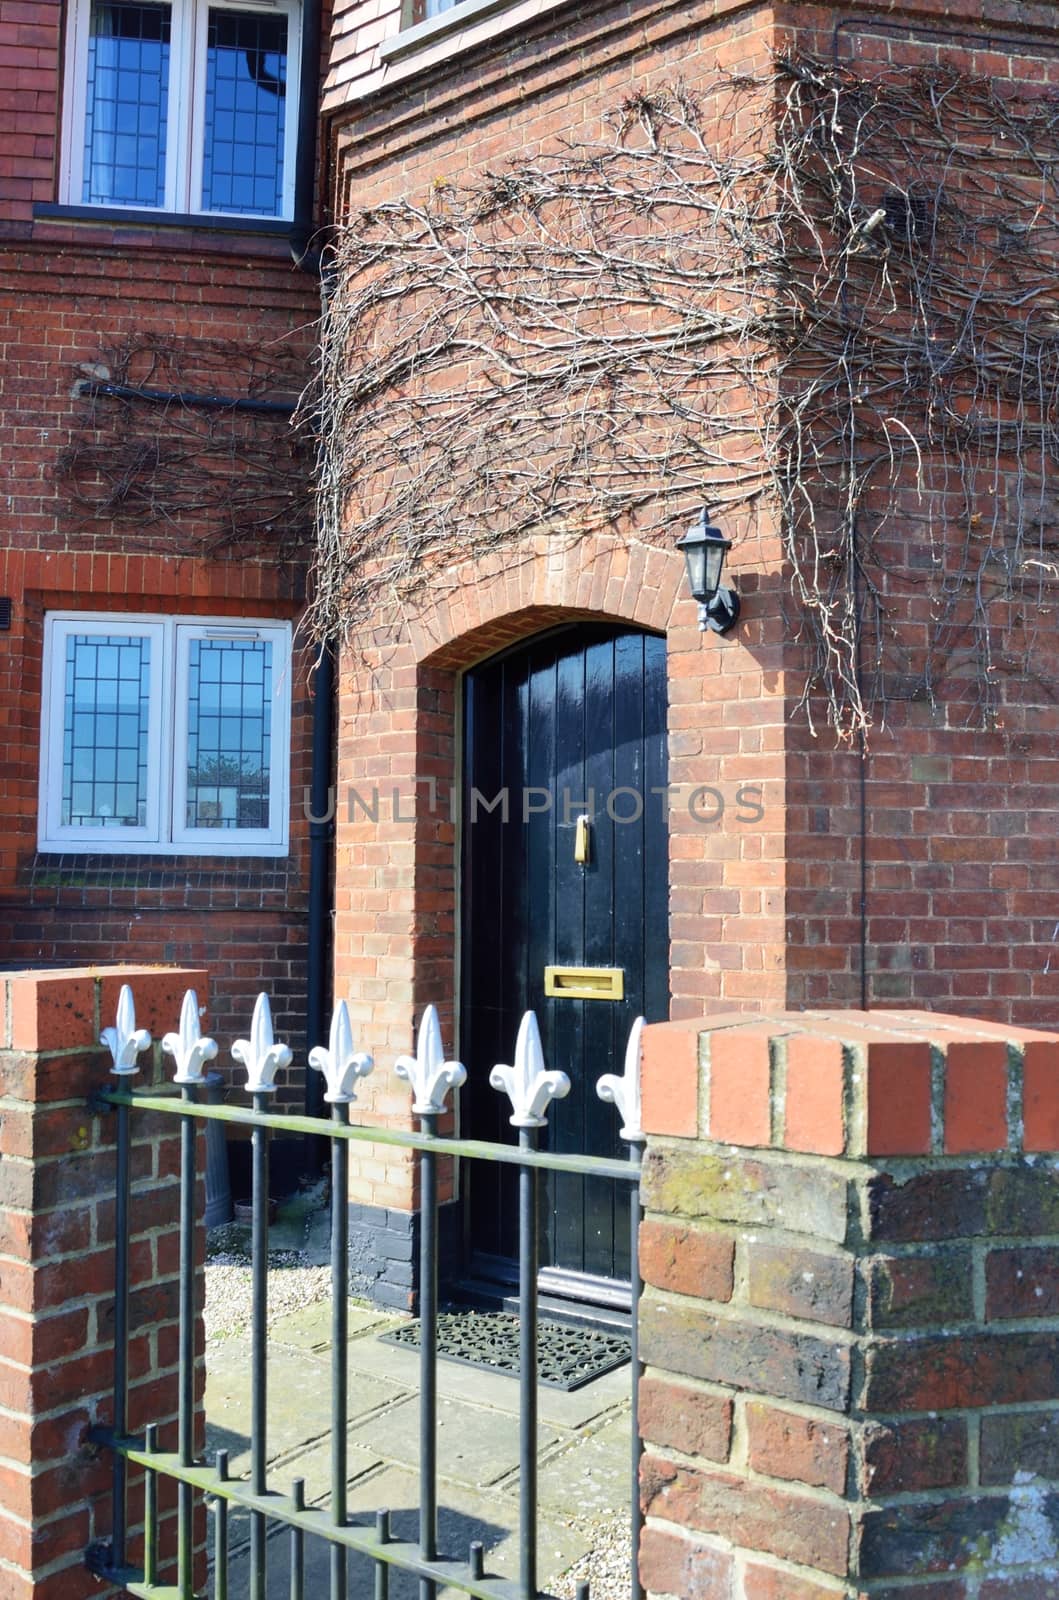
[[156, 332], [907, 862], [848, 798]]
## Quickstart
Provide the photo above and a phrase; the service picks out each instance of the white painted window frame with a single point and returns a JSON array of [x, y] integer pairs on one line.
[[187, 104], [164, 832]]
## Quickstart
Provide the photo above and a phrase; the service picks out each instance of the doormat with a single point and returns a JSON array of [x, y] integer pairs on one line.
[[566, 1357]]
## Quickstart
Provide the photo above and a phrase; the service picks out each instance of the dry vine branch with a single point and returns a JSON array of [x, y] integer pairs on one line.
[[831, 295], [206, 479]]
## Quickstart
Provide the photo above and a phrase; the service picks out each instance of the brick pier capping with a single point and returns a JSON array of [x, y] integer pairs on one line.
[[850, 1322], [57, 1271]]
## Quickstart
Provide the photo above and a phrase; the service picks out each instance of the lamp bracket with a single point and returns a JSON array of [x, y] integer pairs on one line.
[[720, 613]]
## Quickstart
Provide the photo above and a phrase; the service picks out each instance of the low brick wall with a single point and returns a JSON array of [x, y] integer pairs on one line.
[[850, 1323], [57, 1271]]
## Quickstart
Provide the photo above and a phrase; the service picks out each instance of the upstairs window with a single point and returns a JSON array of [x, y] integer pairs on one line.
[[182, 107], [164, 735]]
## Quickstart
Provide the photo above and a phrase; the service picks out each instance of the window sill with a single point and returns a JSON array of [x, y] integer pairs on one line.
[[457, 20], [161, 853], [207, 222]]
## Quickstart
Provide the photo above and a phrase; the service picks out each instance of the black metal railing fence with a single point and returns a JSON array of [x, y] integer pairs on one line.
[[530, 1089]]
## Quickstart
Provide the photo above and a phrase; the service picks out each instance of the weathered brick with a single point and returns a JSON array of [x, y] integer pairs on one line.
[[807, 1450], [745, 1191], [937, 1536], [778, 1521], [1022, 1282], [687, 1260], [966, 1370], [917, 1453], [744, 1354], [956, 1203], [911, 1291], [677, 1417], [780, 1583], [677, 1564], [1042, 1585], [1019, 1441], [801, 1283]]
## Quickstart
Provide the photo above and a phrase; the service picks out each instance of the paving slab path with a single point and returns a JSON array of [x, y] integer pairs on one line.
[[583, 1444]]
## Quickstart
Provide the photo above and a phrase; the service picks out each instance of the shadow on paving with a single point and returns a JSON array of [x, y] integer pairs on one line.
[[456, 1531]]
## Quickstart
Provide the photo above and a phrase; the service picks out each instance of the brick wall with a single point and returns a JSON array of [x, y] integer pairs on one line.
[[57, 1272], [73, 289], [957, 845], [850, 1326]]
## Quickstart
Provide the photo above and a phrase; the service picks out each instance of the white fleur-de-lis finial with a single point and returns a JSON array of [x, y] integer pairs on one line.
[[430, 1075], [624, 1092], [261, 1057], [189, 1047], [527, 1084], [340, 1064], [125, 1040]]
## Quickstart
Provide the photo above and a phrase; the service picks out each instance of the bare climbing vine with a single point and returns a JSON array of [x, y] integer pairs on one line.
[[203, 478], [817, 301]]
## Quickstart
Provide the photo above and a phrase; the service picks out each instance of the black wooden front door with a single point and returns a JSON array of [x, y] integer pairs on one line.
[[572, 723]]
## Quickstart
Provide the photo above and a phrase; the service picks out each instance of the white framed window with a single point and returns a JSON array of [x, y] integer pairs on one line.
[[164, 735], [187, 106]]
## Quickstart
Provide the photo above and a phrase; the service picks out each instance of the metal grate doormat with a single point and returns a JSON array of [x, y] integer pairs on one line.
[[566, 1357]]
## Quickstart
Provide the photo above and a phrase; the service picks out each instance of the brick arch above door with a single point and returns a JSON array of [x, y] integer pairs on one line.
[[489, 604]]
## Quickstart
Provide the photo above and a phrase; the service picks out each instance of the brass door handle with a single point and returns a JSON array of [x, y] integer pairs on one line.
[[583, 839]]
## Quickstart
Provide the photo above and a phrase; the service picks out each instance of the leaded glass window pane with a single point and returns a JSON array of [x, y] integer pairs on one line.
[[126, 104], [246, 76], [229, 733], [106, 709]]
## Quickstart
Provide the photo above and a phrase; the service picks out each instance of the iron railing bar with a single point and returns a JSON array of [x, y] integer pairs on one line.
[[339, 1343], [471, 1149], [259, 1343], [635, 1287], [382, 1571], [220, 1544], [316, 1524], [527, 1367], [121, 1329], [428, 1352], [297, 1544], [150, 1510], [186, 1351]]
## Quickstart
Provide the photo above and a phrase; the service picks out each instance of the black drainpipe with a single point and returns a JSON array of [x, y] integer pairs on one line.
[[305, 251], [321, 834], [303, 227]]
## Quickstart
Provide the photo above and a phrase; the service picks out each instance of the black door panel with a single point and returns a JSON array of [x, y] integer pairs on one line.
[[571, 723]]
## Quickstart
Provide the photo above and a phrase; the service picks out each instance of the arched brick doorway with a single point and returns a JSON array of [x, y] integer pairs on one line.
[[396, 922]]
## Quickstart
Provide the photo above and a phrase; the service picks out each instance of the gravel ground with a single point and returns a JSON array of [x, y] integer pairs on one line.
[[293, 1281], [606, 1567]]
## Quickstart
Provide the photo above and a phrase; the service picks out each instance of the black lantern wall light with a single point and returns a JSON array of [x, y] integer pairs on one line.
[[705, 548]]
